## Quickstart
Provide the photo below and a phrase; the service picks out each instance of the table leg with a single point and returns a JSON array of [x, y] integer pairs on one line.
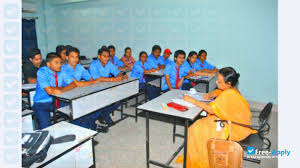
[[93, 147], [174, 129], [136, 110], [122, 109], [186, 125], [54, 109], [29, 101], [147, 139]]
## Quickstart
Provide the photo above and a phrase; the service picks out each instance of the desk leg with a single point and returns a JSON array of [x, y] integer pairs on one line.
[[93, 147], [136, 110], [185, 142], [122, 109], [147, 139], [54, 109], [29, 101], [174, 129]]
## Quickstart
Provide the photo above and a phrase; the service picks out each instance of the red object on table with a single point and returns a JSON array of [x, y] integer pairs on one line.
[[177, 106]]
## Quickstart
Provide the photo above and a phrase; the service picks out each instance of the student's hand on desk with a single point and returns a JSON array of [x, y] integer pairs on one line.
[[57, 91], [125, 77], [206, 97]]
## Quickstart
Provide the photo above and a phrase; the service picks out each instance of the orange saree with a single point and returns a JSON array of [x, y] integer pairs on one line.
[[229, 105]]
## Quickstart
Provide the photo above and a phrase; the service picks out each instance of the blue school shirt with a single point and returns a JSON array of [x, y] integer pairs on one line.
[[97, 70], [69, 74], [162, 60], [116, 62], [171, 71], [205, 65], [155, 62], [45, 78], [138, 71]]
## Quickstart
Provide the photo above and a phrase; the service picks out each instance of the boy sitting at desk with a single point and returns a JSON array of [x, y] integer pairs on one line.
[[102, 70], [49, 82], [164, 60], [138, 71], [155, 59], [175, 73], [114, 60], [74, 72], [204, 65], [30, 68]]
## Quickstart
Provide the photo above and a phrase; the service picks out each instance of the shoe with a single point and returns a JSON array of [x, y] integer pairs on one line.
[[101, 120], [102, 128]]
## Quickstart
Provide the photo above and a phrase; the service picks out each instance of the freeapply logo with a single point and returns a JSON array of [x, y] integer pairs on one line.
[[256, 153]]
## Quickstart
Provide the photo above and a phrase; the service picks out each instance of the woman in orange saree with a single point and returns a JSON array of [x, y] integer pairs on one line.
[[228, 105]]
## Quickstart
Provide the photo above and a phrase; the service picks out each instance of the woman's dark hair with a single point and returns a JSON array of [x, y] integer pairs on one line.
[[201, 52], [50, 56], [103, 49], [230, 75], [179, 52], [59, 49], [33, 52], [127, 48], [111, 47], [73, 49], [188, 59], [156, 47], [141, 53]]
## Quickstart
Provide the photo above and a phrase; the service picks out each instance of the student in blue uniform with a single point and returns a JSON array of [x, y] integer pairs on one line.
[[114, 60], [74, 72], [175, 73], [154, 59], [61, 51], [204, 65], [49, 81], [164, 60], [102, 70], [138, 71]]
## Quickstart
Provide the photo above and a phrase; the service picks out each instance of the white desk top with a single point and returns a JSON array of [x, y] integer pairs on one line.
[[155, 105], [156, 73], [26, 112], [64, 128], [29, 86], [86, 90], [202, 78]]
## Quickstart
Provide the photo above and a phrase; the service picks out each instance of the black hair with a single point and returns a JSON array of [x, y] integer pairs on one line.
[[111, 47], [156, 47], [179, 52], [50, 56], [73, 49], [201, 52], [103, 49], [189, 57], [230, 75], [127, 48], [67, 47], [141, 53], [59, 49], [33, 52]]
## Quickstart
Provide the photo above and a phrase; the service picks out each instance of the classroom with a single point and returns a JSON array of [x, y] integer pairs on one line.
[[134, 84]]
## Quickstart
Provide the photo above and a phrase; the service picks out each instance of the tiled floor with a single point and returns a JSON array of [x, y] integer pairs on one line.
[[124, 146]]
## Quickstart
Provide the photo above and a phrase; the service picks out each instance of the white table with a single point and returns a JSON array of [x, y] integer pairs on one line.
[[204, 83], [29, 89], [88, 99], [27, 121], [78, 153], [154, 106]]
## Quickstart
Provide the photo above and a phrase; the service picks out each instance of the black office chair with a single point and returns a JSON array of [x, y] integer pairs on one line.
[[258, 140]]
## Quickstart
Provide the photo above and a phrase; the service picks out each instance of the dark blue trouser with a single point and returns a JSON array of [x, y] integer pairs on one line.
[[42, 114], [187, 86], [105, 112], [152, 91]]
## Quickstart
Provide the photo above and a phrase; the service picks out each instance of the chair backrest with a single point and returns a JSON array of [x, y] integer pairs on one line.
[[264, 115]]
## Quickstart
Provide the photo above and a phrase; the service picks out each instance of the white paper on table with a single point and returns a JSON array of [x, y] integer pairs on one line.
[[199, 97], [183, 103]]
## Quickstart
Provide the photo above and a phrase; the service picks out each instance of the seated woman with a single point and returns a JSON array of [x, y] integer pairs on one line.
[[127, 59], [204, 65], [230, 105], [191, 64], [138, 71]]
